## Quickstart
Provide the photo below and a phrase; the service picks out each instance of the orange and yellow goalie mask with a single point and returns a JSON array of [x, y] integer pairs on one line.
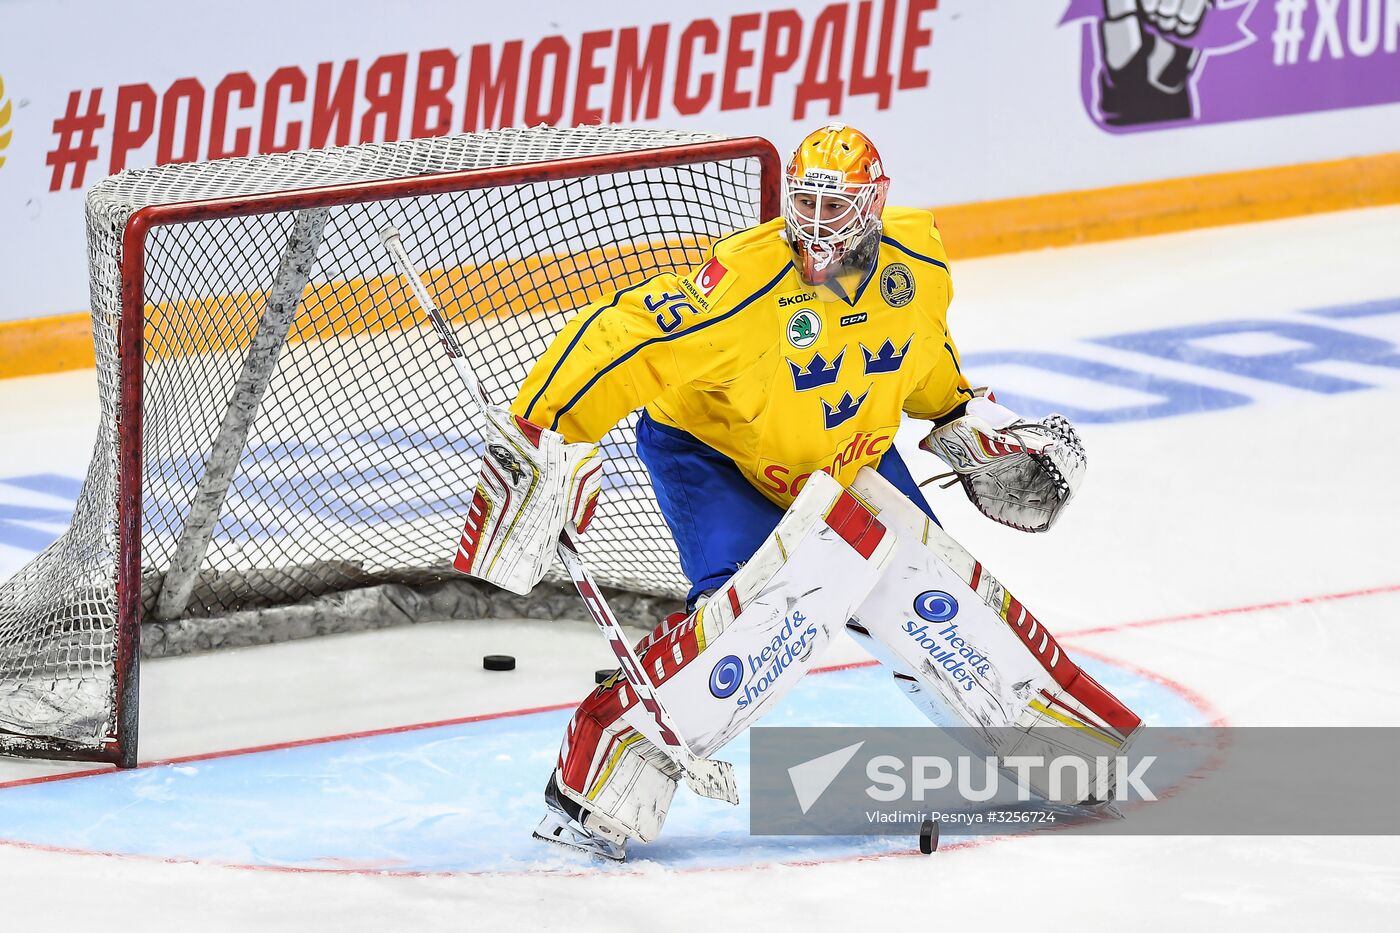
[[834, 192]]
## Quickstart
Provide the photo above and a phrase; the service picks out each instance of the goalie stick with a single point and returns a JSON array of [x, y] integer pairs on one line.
[[705, 776]]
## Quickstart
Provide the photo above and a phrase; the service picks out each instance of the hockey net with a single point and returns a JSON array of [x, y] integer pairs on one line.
[[278, 421]]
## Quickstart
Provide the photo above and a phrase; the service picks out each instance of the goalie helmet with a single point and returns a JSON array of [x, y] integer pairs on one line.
[[834, 192]]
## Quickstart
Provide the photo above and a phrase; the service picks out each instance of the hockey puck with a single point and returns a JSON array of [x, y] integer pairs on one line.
[[600, 676], [498, 662], [928, 837]]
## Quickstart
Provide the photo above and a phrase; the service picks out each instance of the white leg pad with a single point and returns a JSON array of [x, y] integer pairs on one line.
[[766, 627], [976, 657]]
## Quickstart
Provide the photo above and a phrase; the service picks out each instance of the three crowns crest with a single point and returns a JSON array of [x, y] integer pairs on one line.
[[886, 359], [817, 373], [844, 410]]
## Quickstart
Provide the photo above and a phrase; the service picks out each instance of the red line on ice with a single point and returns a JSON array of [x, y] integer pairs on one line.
[[1237, 610], [296, 743]]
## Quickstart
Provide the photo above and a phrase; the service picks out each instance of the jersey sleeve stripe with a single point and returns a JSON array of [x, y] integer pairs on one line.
[[572, 343], [722, 240], [683, 333], [954, 357], [909, 252]]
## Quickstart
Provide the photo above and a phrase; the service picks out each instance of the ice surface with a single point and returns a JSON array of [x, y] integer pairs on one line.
[[458, 798]]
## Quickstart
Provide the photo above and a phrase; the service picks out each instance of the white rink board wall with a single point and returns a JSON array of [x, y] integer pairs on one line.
[[969, 100]]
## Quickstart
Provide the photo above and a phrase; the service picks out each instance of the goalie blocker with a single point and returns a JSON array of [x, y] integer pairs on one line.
[[529, 482]]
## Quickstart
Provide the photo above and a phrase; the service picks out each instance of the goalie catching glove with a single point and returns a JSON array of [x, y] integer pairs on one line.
[[528, 484], [1019, 473]]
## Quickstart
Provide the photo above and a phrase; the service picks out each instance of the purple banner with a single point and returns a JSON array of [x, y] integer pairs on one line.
[[1218, 61]]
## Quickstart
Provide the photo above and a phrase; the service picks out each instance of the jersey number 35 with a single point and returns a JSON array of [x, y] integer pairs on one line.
[[674, 304]]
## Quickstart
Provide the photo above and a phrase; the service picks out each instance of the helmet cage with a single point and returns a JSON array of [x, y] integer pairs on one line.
[[824, 240]]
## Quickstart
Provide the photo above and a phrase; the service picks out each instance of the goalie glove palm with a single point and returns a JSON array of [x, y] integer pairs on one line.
[[528, 484], [1019, 473]]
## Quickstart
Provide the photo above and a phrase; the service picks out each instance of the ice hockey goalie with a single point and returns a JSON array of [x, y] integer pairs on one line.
[[772, 379]]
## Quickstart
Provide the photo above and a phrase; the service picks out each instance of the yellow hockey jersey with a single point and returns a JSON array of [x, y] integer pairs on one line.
[[782, 377]]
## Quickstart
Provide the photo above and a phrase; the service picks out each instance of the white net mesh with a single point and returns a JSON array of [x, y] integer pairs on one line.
[[358, 461]]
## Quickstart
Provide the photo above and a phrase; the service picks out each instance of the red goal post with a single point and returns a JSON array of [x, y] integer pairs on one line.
[[274, 429]]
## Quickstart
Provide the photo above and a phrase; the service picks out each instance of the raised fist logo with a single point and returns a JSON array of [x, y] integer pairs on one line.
[[1182, 17], [1147, 63], [1150, 65]]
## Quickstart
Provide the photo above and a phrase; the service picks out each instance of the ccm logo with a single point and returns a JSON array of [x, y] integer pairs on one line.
[[780, 480]]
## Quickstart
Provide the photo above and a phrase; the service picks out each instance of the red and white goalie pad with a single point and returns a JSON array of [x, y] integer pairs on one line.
[[1019, 473], [766, 627], [725, 665], [970, 655], [528, 484]]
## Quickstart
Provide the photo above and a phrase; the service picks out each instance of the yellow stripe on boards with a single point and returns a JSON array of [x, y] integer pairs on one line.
[[1072, 217], [36, 346]]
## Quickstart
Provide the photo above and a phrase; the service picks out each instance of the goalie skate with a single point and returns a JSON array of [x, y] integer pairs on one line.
[[564, 824]]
